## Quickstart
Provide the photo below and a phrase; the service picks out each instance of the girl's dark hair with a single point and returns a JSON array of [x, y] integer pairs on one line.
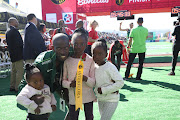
[[116, 42], [102, 40], [81, 32], [30, 69], [99, 43]]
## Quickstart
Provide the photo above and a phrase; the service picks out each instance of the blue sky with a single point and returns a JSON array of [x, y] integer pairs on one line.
[[153, 21]]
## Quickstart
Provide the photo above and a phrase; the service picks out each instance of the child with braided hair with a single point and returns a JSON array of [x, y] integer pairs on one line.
[[39, 107]]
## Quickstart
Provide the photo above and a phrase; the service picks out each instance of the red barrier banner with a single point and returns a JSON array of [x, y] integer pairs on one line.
[[62, 8]]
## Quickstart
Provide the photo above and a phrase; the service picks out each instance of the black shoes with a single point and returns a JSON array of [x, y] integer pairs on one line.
[[171, 73]]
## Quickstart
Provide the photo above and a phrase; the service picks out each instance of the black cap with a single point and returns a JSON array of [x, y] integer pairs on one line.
[[140, 20]]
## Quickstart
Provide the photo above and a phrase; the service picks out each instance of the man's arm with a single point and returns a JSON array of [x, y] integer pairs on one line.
[[120, 28], [129, 45]]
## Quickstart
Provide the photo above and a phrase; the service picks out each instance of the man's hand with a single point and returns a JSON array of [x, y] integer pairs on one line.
[[85, 78], [99, 90], [38, 99], [37, 110], [128, 50], [73, 84], [53, 108], [120, 23]]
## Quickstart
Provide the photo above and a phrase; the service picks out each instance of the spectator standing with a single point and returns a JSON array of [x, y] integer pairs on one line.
[[93, 36], [131, 25], [1, 43], [79, 25], [138, 38], [62, 29], [42, 30], [33, 41], [15, 46], [176, 46], [51, 33]]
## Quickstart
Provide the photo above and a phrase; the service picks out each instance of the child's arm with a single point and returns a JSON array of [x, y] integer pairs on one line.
[[24, 100], [119, 83], [53, 102], [65, 82], [91, 78]]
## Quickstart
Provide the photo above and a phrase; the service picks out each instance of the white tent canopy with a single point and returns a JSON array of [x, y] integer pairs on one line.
[[5, 7]]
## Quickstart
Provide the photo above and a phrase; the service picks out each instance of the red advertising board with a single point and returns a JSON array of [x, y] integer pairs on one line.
[[102, 7], [59, 7], [95, 7]]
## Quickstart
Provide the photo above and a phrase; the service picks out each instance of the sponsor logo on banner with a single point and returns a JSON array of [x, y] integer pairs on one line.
[[119, 2], [83, 2], [138, 1], [58, 1], [68, 18]]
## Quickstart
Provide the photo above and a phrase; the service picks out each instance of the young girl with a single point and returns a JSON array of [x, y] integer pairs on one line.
[[79, 42], [108, 81], [36, 95]]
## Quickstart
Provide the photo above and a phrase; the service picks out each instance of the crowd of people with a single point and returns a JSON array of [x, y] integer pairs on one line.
[[51, 66], [111, 37]]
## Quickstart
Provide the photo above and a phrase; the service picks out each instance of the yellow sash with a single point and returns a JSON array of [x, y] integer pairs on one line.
[[79, 78]]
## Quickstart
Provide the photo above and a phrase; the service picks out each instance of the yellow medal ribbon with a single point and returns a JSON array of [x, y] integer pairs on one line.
[[79, 78]]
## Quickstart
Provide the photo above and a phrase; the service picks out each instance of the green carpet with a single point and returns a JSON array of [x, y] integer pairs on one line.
[[157, 47], [156, 97]]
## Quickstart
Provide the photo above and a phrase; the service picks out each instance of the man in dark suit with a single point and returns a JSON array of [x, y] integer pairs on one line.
[[33, 41], [15, 46]]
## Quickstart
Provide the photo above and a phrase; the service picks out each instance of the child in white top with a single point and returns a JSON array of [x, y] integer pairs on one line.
[[108, 81], [36, 95]]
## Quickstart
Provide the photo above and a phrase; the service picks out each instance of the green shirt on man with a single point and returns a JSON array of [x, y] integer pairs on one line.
[[139, 36]]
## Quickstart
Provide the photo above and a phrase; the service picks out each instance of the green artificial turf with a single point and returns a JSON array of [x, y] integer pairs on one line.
[[157, 48], [156, 97]]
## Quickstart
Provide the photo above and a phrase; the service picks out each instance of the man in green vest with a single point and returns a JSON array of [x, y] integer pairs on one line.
[[51, 63], [137, 45]]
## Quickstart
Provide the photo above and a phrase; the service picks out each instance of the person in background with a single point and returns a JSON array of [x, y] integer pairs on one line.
[[33, 41], [51, 33], [131, 25], [138, 38], [62, 29], [108, 81], [116, 50], [42, 29], [93, 36], [15, 47], [1, 43], [38, 108], [79, 25], [176, 46]]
